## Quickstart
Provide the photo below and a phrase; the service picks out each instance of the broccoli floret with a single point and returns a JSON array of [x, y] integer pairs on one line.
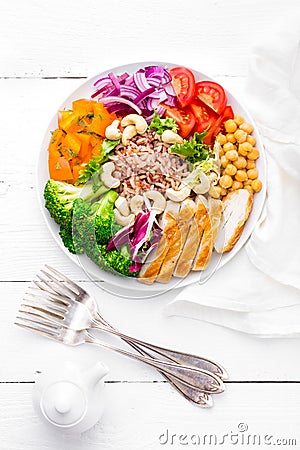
[[117, 261], [84, 218], [59, 200], [105, 218]]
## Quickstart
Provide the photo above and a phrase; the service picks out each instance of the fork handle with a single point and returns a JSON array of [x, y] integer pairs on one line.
[[172, 355], [194, 395], [193, 377]]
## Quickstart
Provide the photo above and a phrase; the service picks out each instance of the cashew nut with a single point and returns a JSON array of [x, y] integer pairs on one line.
[[112, 131], [203, 186], [128, 133], [122, 206], [178, 196], [159, 201], [134, 119], [169, 137], [123, 220], [106, 176], [136, 204]]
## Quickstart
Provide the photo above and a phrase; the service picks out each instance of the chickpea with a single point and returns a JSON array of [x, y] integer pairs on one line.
[[249, 188], [252, 174], [254, 154], [245, 146], [221, 139], [232, 155], [230, 126], [230, 138], [240, 136], [224, 161], [223, 192], [221, 152], [241, 175], [251, 140], [246, 127], [240, 163], [250, 164], [248, 183], [236, 185], [228, 146], [256, 185], [239, 120], [226, 181], [242, 152], [230, 170]]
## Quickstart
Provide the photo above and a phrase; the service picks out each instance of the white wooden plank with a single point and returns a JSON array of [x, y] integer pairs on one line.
[[244, 357], [151, 416], [75, 38]]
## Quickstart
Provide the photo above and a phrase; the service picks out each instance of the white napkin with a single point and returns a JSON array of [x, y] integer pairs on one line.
[[258, 291]]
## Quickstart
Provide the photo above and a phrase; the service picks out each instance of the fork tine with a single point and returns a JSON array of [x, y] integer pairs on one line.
[[46, 330], [65, 278], [60, 283], [30, 328], [46, 296], [36, 318], [55, 287], [47, 307]]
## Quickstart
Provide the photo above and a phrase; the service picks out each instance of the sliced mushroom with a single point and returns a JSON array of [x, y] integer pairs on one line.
[[106, 176], [203, 186], [122, 206], [123, 220], [136, 204], [159, 201], [178, 196]]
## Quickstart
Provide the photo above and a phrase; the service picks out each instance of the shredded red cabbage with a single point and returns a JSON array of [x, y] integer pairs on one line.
[[146, 89], [140, 237]]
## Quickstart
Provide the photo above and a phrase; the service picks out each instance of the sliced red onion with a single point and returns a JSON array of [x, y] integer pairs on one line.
[[147, 88], [108, 100], [141, 81], [143, 95], [115, 82]]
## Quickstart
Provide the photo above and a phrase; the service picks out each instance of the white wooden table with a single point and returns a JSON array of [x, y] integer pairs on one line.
[[46, 50]]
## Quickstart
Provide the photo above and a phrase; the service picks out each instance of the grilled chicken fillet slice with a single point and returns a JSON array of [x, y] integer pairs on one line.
[[237, 206], [191, 245], [185, 216], [155, 259]]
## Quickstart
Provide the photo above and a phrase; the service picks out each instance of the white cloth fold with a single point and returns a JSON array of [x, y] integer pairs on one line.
[[258, 292]]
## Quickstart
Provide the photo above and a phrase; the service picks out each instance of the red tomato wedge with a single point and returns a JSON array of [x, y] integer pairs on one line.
[[183, 82], [212, 94], [205, 117], [185, 119], [216, 128]]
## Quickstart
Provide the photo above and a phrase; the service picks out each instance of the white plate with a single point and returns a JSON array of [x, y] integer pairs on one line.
[[118, 283]]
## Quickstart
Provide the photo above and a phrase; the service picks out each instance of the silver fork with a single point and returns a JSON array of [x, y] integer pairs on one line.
[[42, 319], [75, 295], [194, 395], [80, 297]]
